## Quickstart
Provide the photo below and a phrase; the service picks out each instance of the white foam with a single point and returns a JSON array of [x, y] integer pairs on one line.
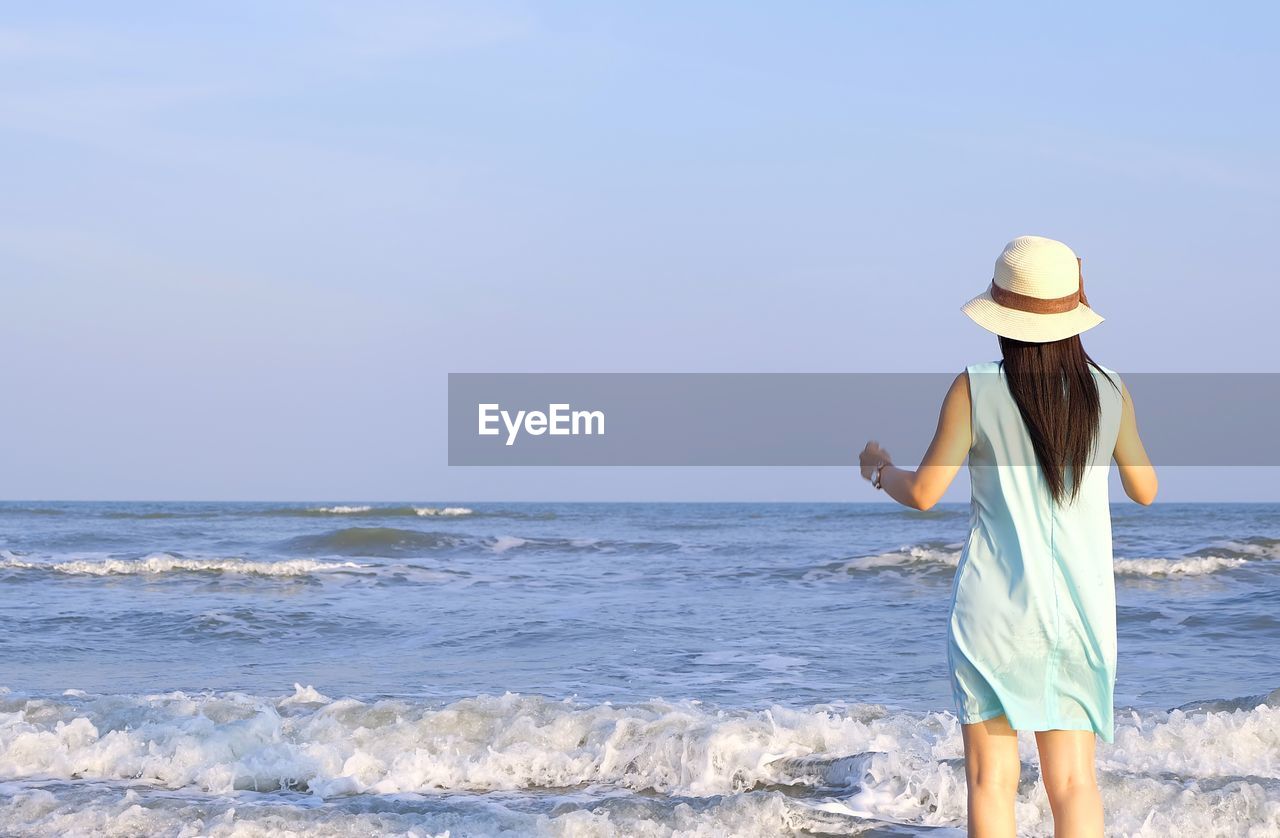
[[219, 743], [1171, 771], [1219, 744], [1186, 566], [926, 556], [906, 556], [305, 695], [903, 557], [160, 563], [446, 512], [342, 510], [142, 811]]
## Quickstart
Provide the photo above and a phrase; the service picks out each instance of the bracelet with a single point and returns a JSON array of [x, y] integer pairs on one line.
[[875, 475]]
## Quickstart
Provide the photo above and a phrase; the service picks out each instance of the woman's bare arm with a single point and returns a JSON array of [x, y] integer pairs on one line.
[[1136, 472], [922, 488]]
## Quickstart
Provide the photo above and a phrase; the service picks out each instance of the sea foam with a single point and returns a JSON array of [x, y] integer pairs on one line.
[[1185, 566], [933, 556], [160, 563], [862, 760]]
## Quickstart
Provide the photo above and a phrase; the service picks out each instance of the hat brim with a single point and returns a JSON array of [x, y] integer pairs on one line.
[[1029, 326]]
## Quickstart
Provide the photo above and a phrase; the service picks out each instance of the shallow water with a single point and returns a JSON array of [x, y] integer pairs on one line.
[[586, 669]]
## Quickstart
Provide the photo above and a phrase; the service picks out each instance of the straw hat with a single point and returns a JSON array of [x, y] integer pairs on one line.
[[1036, 295]]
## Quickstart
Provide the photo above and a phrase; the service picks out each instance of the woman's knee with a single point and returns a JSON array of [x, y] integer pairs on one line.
[[1069, 781], [1067, 763], [991, 756], [995, 777]]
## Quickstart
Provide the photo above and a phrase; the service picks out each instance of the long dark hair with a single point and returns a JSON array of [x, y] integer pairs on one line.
[[1058, 398]]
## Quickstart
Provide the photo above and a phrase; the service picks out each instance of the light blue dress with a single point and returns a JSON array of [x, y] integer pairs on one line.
[[1032, 626]]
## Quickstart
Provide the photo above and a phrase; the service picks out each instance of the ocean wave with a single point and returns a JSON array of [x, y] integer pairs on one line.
[[391, 511], [936, 556], [162, 563], [306, 741], [222, 628], [1230, 705], [853, 760], [442, 511], [370, 511], [1225, 555], [505, 543], [375, 541], [390, 541], [1253, 548], [890, 511], [920, 558], [1185, 566], [944, 556], [47, 808], [155, 516]]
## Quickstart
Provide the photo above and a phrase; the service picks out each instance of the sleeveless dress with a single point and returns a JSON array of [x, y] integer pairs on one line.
[[1032, 625]]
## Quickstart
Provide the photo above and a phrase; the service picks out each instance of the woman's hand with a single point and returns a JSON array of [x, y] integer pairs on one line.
[[922, 488], [873, 455]]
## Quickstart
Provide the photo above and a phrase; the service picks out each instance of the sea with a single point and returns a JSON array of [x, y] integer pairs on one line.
[[454, 669]]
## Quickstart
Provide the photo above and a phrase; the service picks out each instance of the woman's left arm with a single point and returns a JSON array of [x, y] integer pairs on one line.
[[922, 488]]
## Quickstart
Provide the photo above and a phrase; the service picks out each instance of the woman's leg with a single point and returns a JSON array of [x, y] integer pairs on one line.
[[992, 769], [1069, 774]]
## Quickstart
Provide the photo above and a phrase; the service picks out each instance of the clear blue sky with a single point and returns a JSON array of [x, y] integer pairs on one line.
[[243, 243]]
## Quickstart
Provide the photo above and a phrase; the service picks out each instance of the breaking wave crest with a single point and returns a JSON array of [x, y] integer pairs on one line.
[[835, 761], [935, 556], [1185, 566], [382, 511], [445, 511], [161, 563]]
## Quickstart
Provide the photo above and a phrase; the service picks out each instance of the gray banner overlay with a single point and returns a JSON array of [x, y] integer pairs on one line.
[[809, 419]]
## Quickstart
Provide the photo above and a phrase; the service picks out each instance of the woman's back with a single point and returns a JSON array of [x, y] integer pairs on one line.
[[1032, 627], [1031, 639]]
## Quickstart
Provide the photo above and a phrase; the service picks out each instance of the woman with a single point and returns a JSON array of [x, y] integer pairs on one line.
[[1031, 640]]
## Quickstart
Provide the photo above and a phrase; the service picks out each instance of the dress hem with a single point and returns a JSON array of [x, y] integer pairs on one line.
[[975, 718]]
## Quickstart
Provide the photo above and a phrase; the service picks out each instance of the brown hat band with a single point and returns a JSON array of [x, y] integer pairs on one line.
[[1039, 305]]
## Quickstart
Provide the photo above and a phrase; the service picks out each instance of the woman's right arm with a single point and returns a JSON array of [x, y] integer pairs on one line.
[[1136, 472]]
